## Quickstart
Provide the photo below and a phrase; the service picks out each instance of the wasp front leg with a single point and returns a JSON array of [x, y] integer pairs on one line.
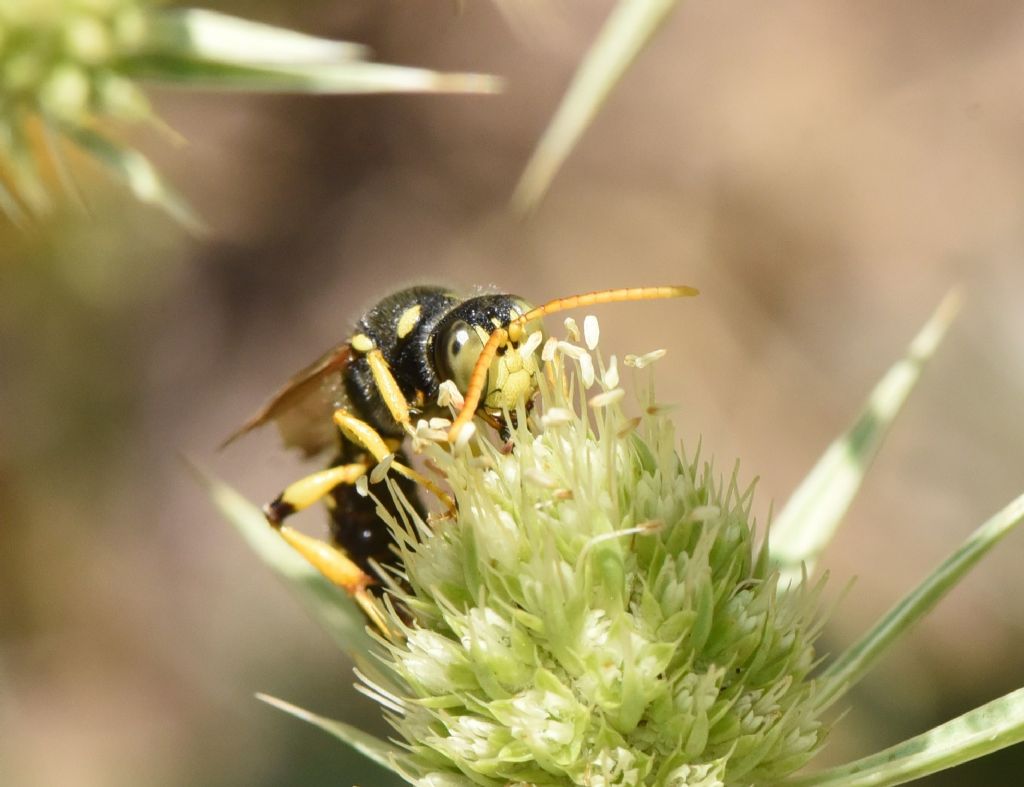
[[364, 435]]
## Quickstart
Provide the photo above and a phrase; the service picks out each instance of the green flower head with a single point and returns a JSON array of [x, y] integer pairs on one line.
[[598, 611]]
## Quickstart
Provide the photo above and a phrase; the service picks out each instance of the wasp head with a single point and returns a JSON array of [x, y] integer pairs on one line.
[[461, 336]]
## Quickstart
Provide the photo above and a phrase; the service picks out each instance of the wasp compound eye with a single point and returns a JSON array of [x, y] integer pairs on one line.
[[457, 351]]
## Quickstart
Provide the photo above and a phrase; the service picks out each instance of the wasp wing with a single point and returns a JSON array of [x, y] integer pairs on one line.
[[304, 406]]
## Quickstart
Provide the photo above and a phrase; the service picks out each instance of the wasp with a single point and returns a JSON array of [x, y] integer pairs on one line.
[[361, 398]]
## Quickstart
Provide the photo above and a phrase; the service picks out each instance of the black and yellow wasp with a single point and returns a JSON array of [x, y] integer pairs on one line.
[[360, 400]]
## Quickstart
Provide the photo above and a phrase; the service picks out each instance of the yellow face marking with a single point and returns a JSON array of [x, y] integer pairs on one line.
[[512, 379], [361, 343], [408, 320]]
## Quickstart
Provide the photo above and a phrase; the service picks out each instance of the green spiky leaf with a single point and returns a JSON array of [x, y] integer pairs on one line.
[[373, 748], [204, 49], [813, 513], [857, 660], [623, 37], [984, 730]]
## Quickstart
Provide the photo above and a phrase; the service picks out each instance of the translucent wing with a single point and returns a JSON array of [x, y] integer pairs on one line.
[[302, 409]]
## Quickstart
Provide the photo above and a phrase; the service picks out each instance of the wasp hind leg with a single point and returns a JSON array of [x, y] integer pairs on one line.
[[339, 569], [331, 561]]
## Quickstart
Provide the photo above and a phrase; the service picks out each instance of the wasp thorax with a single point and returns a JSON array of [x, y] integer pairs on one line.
[[461, 337]]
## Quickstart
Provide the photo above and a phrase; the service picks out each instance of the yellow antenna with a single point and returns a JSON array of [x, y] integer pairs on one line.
[[514, 332]]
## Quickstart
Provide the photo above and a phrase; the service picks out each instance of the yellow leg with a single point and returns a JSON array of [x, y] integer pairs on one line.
[[361, 433], [330, 561], [339, 569], [306, 491], [387, 387]]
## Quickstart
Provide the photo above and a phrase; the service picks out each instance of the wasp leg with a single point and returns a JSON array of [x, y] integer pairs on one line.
[[306, 491], [362, 434], [332, 562], [388, 388], [340, 569]]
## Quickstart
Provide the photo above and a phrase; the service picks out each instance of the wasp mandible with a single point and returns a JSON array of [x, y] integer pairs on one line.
[[360, 399]]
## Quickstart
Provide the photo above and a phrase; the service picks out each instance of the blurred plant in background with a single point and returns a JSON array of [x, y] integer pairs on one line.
[[70, 71]]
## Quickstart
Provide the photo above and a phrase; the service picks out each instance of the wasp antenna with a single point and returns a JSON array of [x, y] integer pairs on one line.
[[514, 331], [477, 381], [599, 297]]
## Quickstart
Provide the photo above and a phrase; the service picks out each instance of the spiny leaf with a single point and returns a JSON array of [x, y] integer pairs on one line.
[[204, 49], [984, 730], [624, 35], [72, 68], [381, 752], [209, 35], [852, 665], [352, 77], [136, 172], [811, 516]]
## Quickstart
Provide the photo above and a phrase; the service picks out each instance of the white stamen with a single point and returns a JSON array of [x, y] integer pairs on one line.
[[540, 478], [548, 353], [465, 435], [362, 486], [556, 416], [570, 350], [381, 470], [606, 398], [640, 361], [440, 423], [572, 329], [532, 343], [591, 331], [587, 370], [611, 374], [448, 394]]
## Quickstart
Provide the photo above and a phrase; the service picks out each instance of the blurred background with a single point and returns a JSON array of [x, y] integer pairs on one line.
[[823, 171]]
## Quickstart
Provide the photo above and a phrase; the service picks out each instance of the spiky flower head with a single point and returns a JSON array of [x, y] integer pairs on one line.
[[598, 611]]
